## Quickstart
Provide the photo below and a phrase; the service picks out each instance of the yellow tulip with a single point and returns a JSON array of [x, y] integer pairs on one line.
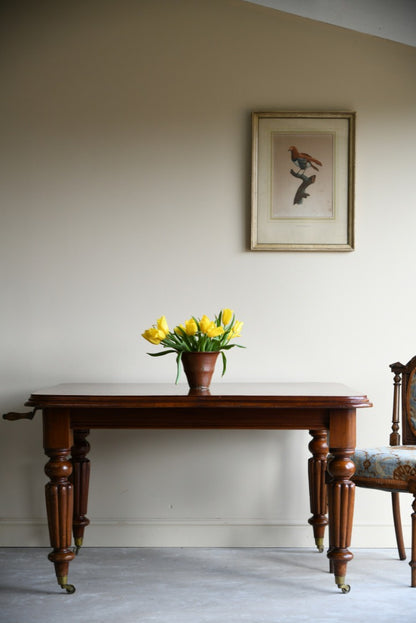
[[205, 323], [191, 327], [162, 325], [236, 329], [178, 330], [214, 331], [227, 315], [153, 335]]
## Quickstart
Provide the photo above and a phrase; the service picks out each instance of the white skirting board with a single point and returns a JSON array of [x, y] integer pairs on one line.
[[153, 532]]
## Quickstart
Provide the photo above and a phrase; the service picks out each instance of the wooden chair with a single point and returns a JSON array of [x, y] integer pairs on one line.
[[393, 468]]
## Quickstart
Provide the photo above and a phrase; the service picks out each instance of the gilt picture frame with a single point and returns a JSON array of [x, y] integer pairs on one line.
[[302, 194]]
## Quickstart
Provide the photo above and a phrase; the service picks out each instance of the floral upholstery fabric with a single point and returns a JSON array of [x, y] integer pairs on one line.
[[395, 463]]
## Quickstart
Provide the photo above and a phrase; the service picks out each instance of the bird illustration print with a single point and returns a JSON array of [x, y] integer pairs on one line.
[[303, 162]]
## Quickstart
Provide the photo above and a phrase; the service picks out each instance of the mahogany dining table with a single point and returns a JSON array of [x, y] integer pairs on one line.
[[326, 410]]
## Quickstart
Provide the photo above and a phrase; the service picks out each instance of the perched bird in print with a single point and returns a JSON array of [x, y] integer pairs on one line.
[[303, 161]]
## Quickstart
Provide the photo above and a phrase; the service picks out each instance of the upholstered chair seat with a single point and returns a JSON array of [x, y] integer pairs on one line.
[[393, 465]]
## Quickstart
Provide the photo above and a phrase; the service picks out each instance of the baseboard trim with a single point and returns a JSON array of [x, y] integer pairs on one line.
[[200, 532]]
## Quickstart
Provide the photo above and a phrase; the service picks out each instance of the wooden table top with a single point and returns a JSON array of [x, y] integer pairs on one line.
[[335, 395]]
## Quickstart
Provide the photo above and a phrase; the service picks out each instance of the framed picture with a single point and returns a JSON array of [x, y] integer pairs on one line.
[[303, 181]]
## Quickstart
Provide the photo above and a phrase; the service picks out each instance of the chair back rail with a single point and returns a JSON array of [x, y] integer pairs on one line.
[[397, 369], [404, 396]]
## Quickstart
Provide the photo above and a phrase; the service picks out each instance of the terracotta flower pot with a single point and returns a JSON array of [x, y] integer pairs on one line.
[[199, 368]]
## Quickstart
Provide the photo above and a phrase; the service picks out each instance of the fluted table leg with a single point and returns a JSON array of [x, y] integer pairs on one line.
[[318, 447], [412, 563], [59, 493], [341, 493], [80, 479]]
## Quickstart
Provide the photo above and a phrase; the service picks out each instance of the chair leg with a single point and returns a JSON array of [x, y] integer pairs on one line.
[[398, 525], [412, 563]]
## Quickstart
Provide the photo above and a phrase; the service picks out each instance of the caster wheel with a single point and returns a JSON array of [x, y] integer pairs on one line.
[[345, 588], [70, 588]]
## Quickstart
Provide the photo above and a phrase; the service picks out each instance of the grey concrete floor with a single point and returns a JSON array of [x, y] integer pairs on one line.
[[204, 585]]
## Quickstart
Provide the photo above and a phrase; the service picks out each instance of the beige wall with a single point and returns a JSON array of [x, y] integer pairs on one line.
[[125, 194]]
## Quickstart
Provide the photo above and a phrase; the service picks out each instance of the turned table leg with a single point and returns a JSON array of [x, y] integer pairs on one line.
[[341, 493], [80, 479], [59, 492], [318, 447], [412, 563]]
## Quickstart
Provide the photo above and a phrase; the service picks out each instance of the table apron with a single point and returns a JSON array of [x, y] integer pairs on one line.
[[198, 418]]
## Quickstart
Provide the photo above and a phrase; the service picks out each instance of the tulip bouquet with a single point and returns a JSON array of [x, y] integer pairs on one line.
[[197, 335]]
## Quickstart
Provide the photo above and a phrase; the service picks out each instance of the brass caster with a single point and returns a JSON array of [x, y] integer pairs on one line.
[[340, 582], [70, 588], [319, 541], [78, 545], [345, 588], [63, 583]]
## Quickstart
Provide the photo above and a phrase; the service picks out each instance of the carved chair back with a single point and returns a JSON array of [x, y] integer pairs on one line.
[[404, 397]]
